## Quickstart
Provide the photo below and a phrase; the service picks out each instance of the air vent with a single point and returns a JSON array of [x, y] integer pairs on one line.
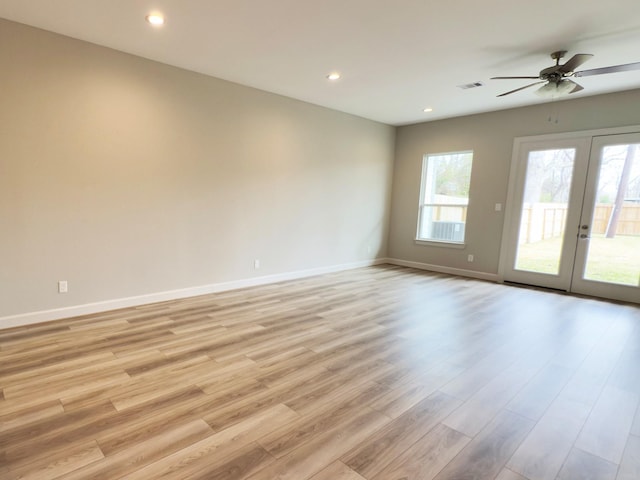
[[467, 86]]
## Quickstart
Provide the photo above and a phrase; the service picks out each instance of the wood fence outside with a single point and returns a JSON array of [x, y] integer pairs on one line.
[[544, 221], [628, 223], [449, 213]]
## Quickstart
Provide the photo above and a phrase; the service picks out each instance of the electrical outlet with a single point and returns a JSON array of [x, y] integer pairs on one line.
[[469, 258], [63, 286], [498, 207], [256, 264]]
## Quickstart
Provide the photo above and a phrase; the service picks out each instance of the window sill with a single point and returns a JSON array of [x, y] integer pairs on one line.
[[437, 243]]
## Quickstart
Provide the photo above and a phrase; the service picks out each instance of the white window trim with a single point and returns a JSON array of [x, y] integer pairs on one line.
[[441, 243], [431, 242]]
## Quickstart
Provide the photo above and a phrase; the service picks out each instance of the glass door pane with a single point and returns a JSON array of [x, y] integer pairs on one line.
[[546, 187], [613, 251], [545, 204], [607, 260], [573, 214]]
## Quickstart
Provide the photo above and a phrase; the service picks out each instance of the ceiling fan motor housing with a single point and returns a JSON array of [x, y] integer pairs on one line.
[[552, 74]]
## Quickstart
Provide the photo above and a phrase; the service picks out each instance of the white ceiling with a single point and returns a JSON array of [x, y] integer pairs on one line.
[[396, 57]]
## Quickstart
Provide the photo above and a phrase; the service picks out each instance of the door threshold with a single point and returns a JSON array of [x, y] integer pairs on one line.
[[535, 287], [567, 292]]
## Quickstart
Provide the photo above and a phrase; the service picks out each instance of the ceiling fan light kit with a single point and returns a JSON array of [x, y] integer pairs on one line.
[[556, 77], [559, 89]]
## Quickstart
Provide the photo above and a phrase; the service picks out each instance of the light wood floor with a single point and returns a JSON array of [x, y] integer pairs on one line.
[[382, 373]]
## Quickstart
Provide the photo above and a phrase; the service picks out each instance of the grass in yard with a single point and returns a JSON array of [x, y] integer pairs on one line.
[[612, 260], [541, 257]]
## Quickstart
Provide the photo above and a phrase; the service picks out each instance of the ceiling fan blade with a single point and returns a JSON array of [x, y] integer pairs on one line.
[[522, 88], [513, 78], [616, 68], [574, 62], [576, 87]]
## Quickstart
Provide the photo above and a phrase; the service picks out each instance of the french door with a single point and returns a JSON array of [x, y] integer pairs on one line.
[[573, 215]]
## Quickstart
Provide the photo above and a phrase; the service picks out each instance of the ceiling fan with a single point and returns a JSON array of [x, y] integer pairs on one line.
[[557, 78]]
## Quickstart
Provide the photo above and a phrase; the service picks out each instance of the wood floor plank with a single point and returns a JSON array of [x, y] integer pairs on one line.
[[427, 457], [241, 369], [216, 450], [390, 442], [377, 373], [153, 449], [22, 444], [325, 418], [78, 385], [148, 420], [47, 468], [234, 412], [630, 464], [585, 466], [399, 400], [534, 399], [145, 390], [635, 428], [596, 369], [52, 369], [507, 474], [335, 390], [486, 403], [543, 452], [16, 414], [474, 378], [626, 375], [315, 454], [337, 471], [485, 456], [244, 462], [605, 432]]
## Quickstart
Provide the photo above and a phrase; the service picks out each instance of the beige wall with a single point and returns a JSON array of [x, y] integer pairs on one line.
[[127, 177], [491, 137]]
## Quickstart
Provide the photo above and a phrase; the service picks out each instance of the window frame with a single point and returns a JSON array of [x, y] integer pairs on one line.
[[421, 205]]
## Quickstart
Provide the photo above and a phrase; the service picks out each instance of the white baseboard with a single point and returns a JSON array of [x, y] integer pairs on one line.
[[97, 307], [492, 277]]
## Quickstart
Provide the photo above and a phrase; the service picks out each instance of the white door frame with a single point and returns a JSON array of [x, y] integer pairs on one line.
[[512, 209], [579, 284], [561, 280]]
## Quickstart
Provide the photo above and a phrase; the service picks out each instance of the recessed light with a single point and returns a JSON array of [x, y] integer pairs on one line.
[[333, 76], [427, 110], [155, 19]]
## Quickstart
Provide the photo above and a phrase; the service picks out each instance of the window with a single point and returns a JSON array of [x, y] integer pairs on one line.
[[444, 197]]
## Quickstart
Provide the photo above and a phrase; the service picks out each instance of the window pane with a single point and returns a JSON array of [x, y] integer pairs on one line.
[[447, 178], [443, 223], [614, 248], [444, 198], [544, 210]]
